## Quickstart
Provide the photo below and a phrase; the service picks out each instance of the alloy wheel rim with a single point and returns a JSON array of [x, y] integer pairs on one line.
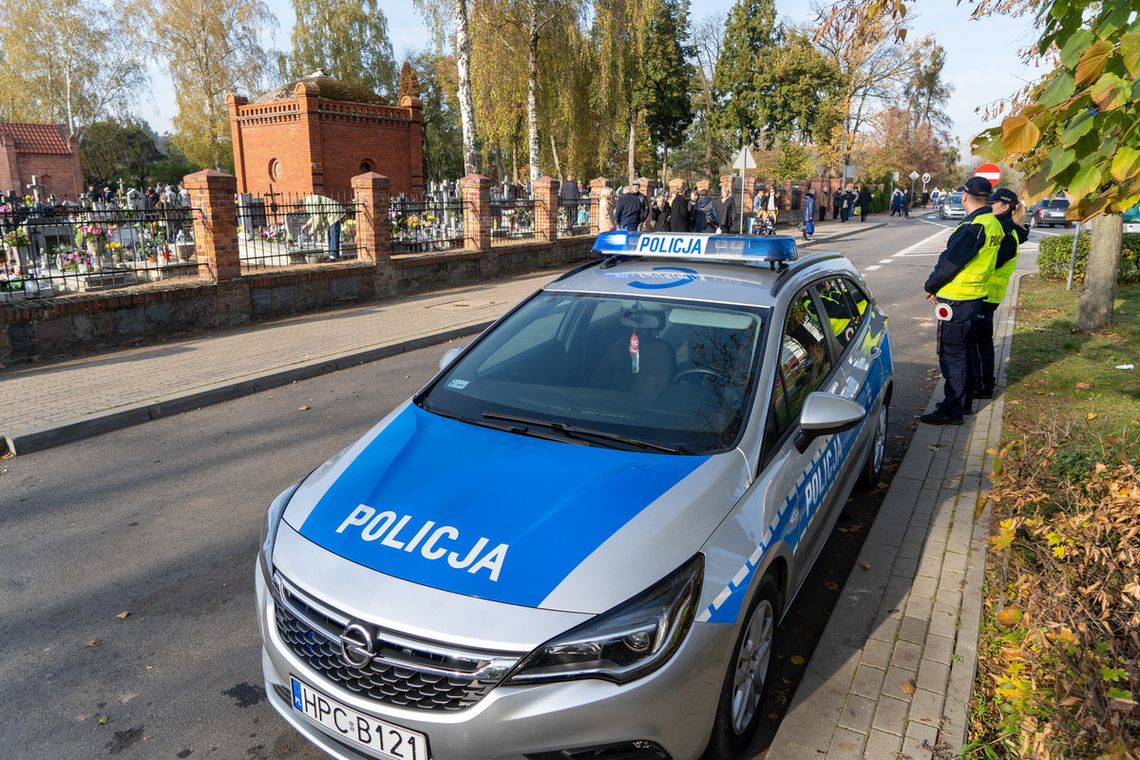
[[752, 666], [881, 438]]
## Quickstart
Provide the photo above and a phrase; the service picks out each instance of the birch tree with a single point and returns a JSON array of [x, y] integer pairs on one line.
[[68, 62], [452, 16], [210, 48]]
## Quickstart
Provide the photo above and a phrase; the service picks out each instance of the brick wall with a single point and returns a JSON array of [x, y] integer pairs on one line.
[[60, 173]]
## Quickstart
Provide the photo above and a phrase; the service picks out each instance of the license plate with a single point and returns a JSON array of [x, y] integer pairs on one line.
[[381, 737]]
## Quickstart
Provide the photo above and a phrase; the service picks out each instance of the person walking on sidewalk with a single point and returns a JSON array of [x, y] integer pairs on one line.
[[728, 215], [1011, 214], [809, 214], [836, 204], [864, 203], [957, 287], [679, 212]]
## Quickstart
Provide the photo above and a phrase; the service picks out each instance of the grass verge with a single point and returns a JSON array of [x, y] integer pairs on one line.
[[1059, 648]]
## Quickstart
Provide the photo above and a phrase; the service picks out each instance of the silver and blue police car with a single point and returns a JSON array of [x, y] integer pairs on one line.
[[576, 541]]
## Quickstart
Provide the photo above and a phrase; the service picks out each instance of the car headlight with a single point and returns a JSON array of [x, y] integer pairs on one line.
[[269, 528], [627, 642]]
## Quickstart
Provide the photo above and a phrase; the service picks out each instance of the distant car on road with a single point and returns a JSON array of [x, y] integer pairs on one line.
[[1049, 212], [578, 539], [952, 207], [1132, 219]]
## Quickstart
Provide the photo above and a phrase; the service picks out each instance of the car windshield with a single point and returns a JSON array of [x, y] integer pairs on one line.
[[954, 198], [1058, 203], [635, 373]]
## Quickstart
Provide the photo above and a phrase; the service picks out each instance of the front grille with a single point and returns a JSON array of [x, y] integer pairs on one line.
[[403, 672]]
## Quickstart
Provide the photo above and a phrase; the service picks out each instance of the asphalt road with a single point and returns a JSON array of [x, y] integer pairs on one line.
[[161, 522]]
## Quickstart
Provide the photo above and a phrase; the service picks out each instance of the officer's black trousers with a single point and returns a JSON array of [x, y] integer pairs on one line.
[[955, 344], [983, 353]]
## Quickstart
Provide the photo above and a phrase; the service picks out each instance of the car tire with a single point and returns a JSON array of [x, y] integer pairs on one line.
[[873, 467], [742, 695]]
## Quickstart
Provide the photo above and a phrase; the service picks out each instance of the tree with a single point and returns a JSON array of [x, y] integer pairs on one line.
[[121, 149], [210, 48], [749, 44], [66, 62], [347, 39], [443, 138], [453, 14], [409, 82], [926, 93], [801, 88], [663, 93], [618, 32], [708, 37]]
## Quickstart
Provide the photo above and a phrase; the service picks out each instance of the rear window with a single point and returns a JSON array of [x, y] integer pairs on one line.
[[1055, 203]]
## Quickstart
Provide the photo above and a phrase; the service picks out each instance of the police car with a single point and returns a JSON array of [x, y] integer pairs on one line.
[[576, 541]]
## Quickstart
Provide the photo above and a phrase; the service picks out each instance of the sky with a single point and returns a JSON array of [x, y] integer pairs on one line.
[[982, 61]]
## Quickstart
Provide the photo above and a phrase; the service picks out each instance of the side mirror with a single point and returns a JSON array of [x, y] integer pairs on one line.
[[449, 356], [827, 414]]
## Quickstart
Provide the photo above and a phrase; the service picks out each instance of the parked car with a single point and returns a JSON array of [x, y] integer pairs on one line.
[[1049, 212], [952, 207], [1132, 219], [577, 540]]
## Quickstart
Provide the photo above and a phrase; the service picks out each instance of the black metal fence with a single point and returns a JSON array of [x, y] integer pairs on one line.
[[511, 220], [282, 230], [54, 251], [574, 217], [423, 225]]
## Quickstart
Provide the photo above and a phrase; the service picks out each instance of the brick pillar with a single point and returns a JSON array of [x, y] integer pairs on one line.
[[749, 194], [214, 209], [600, 192], [476, 192], [676, 185], [233, 103], [546, 209], [703, 184], [727, 180], [370, 192], [786, 200]]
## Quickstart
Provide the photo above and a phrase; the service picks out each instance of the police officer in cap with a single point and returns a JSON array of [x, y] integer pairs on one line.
[[957, 287], [1011, 214]]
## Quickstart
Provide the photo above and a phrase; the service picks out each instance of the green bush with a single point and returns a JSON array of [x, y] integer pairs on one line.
[[1054, 252]]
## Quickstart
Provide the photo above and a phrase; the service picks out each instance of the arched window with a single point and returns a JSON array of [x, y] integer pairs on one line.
[[274, 170], [365, 166]]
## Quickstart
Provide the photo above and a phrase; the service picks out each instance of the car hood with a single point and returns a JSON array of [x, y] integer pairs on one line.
[[511, 518]]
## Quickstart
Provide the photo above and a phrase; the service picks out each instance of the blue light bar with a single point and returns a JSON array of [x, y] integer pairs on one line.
[[690, 245]]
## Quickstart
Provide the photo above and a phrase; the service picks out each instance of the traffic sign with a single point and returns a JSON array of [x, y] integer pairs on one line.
[[913, 175], [926, 178], [990, 172], [744, 160]]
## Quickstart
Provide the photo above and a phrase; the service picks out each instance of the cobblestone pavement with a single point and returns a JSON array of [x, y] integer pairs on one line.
[[892, 675]]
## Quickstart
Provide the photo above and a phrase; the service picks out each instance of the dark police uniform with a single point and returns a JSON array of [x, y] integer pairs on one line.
[[961, 280], [983, 370]]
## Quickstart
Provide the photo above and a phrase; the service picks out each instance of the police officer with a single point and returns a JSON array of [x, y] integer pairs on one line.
[[1011, 214], [957, 287]]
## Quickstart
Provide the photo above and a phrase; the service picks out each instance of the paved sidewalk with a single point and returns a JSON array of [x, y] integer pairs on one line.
[[892, 674], [49, 404]]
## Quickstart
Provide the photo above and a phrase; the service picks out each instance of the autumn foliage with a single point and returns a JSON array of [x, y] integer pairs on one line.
[[1060, 643]]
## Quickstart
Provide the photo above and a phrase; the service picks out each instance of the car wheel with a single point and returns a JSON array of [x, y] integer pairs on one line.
[[742, 695], [873, 468]]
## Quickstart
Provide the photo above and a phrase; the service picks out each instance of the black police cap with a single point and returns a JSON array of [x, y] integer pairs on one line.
[[1003, 194], [979, 186]]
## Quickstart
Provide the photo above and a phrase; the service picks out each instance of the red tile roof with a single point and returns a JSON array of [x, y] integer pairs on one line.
[[34, 138]]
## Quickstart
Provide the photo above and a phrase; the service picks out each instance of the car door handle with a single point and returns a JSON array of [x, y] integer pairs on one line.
[[876, 352]]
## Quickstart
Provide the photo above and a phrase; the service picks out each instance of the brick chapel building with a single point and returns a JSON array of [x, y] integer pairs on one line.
[[314, 135], [41, 151]]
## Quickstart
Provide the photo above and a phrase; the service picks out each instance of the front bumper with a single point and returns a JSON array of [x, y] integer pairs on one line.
[[673, 707]]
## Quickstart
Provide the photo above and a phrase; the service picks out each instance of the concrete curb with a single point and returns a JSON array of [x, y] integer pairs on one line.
[[165, 406], [861, 228]]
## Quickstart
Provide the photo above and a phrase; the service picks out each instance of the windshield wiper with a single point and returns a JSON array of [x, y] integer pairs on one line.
[[572, 431]]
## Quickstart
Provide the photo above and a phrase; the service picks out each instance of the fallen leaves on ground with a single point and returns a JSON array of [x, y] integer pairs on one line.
[[93, 643], [123, 615], [303, 408], [831, 586], [797, 659], [864, 564], [907, 687]]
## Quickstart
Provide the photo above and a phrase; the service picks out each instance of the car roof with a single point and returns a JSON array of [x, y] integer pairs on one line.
[[746, 283]]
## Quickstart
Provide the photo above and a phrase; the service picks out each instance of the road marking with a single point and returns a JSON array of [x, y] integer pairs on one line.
[[871, 268], [921, 243], [885, 261]]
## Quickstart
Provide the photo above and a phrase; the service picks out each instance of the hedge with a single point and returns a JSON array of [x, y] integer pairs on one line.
[[1054, 252]]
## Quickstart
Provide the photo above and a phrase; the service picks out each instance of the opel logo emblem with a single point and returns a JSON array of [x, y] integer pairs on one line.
[[356, 646]]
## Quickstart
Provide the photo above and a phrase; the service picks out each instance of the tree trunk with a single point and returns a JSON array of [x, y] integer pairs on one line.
[[532, 91], [554, 151], [466, 106], [665, 164], [1095, 310], [632, 167]]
